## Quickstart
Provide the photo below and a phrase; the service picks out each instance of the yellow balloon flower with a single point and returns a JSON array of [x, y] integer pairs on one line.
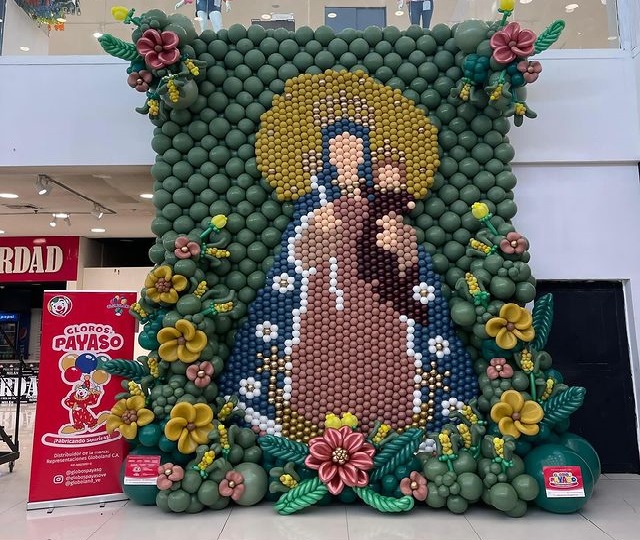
[[219, 221], [181, 342], [127, 415], [515, 416], [119, 13], [513, 323], [189, 425], [507, 5], [162, 286], [479, 210]]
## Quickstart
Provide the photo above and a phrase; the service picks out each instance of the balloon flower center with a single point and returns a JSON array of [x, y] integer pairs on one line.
[[158, 48], [340, 456], [498, 367], [514, 243], [181, 340], [510, 327], [191, 426], [414, 485], [167, 472], [129, 417], [513, 43], [515, 416], [232, 484], [201, 373], [184, 249], [163, 285]]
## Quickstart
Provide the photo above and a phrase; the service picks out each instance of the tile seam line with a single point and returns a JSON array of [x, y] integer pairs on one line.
[[472, 527], [225, 523], [597, 526]]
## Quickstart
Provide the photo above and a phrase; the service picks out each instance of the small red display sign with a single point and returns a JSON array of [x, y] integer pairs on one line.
[[565, 481], [38, 258], [141, 470]]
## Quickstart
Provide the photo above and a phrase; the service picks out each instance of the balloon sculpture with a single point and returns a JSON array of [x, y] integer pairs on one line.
[[336, 308]]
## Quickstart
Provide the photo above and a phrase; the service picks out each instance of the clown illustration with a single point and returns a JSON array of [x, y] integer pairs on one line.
[[86, 394], [353, 317]]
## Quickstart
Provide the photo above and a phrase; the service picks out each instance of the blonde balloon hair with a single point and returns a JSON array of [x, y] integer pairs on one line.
[[289, 142]]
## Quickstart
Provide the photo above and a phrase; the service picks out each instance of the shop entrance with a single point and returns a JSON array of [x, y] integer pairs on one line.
[[589, 346]]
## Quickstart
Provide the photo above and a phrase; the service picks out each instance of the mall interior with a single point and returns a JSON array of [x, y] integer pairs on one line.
[[80, 211]]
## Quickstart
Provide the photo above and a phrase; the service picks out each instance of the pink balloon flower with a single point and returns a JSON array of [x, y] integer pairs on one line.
[[514, 242], [232, 485], [168, 474], [185, 248], [415, 485], [498, 367], [512, 42], [530, 70], [200, 374], [140, 80], [159, 49], [341, 457]]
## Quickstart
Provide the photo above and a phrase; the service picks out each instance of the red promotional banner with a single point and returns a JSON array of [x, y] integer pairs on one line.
[[38, 258], [73, 455]]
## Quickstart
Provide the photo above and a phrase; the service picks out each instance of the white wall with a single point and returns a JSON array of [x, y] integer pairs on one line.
[[582, 221], [20, 30], [116, 279]]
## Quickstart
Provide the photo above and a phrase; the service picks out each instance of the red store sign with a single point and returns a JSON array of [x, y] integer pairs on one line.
[[39, 258]]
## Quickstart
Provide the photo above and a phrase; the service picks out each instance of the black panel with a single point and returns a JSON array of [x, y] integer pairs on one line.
[[589, 346]]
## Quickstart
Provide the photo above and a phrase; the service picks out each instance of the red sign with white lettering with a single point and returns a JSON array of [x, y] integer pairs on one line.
[[141, 470], [38, 258], [73, 454], [563, 481]]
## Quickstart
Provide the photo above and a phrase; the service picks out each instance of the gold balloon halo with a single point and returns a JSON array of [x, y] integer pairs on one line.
[[289, 142]]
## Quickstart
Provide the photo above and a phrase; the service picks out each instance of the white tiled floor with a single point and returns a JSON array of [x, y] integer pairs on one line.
[[612, 514]]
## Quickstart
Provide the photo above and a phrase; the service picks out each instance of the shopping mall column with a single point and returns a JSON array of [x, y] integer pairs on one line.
[[208, 10], [419, 10]]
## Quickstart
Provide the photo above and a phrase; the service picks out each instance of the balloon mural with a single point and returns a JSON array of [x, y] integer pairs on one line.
[[336, 311]]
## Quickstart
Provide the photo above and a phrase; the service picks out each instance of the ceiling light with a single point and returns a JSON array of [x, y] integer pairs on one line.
[[97, 35], [612, 38], [53, 222], [97, 211], [8, 196], [399, 13], [332, 15], [526, 1], [98, 230], [61, 215], [265, 16], [102, 176], [1, 231], [570, 8], [61, 19], [146, 195], [43, 185], [67, 220], [24, 48]]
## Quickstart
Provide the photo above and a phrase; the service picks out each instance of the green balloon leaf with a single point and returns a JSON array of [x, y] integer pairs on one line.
[[285, 449], [130, 369], [542, 320], [119, 48], [558, 408], [303, 495], [396, 452], [550, 35], [382, 503]]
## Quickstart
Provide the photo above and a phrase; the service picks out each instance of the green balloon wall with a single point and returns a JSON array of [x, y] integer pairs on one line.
[[336, 310]]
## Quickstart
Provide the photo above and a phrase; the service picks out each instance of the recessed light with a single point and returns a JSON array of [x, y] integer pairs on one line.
[[526, 1], [613, 38], [146, 195], [61, 215], [570, 8], [1, 231], [97, 35], [98, 230], [8, 196], [53, 222], [24, 48], [332, 15], [265, 16], [61, 19], [102, 176], [399, 13]]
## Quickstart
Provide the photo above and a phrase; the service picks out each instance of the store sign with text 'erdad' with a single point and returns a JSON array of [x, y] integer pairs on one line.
[[39, 258]]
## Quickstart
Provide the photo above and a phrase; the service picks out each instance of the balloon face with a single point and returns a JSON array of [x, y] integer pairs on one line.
[[72, 375], [86, 362]]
